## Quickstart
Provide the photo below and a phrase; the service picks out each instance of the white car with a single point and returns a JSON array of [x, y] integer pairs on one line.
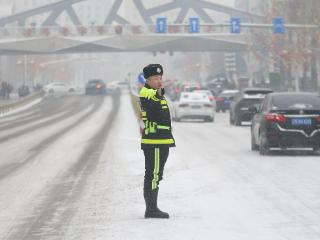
[[194, 105], [210, 96], [58, 87]]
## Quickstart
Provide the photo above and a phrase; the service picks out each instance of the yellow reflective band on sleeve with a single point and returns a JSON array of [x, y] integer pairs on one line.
[[163, 102], [163, 127], [146, 130], [164, 107], [157, 141], [156, 168], [143, 114], [153, 127]]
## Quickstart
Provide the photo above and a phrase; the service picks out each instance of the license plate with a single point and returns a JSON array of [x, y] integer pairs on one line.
[[301, 121], [195, 107]]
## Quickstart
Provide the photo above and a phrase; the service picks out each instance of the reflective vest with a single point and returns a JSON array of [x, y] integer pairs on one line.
[[155, 114]]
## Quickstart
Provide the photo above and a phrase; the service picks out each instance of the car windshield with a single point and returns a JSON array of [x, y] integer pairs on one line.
[[95, 81], [58, 84], [208, 93], [296, 102], [194, 97], [250, 102], [227, 95]]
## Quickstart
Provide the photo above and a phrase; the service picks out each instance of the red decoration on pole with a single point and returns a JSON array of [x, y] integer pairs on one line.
[[173, 29], [83, 30], [65, 31], [136, 29], [45, 32], [118, 29], [101, 30], [28, 32]]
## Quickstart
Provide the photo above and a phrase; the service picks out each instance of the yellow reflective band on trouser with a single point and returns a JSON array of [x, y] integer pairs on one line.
[[143, 114], [157, 141], [156, 168]]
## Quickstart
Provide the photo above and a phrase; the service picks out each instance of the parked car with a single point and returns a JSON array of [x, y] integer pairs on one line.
[[287, 120], [194, 105], [241, 108], [95, 87], [223, 100], [58, 87], [23, 91]]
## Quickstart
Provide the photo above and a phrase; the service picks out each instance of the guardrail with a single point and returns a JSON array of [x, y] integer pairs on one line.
[[20, 103]]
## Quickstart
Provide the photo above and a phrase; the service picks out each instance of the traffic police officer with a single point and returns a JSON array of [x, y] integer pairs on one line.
[[156, 137]]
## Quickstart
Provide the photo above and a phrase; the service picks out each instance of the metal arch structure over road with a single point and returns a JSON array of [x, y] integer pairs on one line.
[[118, 34]]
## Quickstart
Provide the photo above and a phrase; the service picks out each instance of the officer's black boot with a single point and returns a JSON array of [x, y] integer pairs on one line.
[[152, 210]]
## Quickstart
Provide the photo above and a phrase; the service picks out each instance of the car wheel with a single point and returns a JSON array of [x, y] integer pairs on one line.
[[254, 146], [263, 146], [237, 121], [231, 120], [209, 119], [316, 150]]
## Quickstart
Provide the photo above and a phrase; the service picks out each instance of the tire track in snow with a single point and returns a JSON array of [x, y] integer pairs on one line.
[[77, 108], [53, 215], [8, 170]]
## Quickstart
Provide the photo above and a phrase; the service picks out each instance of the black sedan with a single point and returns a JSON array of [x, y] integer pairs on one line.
[[95, 87], [287, 120], [240, 109]]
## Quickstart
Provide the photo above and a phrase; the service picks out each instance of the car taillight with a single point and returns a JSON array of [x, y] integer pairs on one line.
[[274, 118], [184, 105], [208, 105], [211, 98]]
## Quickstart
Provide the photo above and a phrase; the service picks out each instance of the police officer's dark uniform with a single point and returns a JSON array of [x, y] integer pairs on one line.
[[156, 140]]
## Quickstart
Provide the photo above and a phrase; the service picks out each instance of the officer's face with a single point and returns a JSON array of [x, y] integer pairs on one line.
[[155, 81]]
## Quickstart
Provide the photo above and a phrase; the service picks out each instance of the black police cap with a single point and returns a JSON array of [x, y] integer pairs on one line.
[[152, 70]]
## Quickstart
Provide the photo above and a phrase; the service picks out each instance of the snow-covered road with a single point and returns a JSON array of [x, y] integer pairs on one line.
[[81, 177]]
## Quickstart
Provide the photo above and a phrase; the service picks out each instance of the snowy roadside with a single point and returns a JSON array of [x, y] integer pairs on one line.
[[9, 112], [34, 179]]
